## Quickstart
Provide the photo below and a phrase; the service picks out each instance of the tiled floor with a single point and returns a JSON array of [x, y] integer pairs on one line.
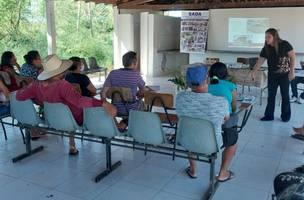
[[265, 149]]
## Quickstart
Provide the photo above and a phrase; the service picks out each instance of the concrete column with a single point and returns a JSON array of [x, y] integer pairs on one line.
[[51, 30]]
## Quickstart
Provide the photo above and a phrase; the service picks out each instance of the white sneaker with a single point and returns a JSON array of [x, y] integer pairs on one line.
[[293, 99], [300, 100]]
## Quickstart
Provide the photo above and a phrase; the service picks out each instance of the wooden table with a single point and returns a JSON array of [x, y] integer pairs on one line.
[[243, 111]]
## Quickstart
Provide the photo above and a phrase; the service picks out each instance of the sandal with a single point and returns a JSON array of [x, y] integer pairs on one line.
[[231, 176], [298, 130], [298, 136], [73, 151], [188, 171], [34, 138]]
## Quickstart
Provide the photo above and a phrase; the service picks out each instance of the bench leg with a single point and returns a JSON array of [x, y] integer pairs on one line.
[[110, 167], [213, 185], [4, 130], [29, 150], [22, 134]]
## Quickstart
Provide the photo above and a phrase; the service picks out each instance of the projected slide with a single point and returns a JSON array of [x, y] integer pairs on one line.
[[247, 32]]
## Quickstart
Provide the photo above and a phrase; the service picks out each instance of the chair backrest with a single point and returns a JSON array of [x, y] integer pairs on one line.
[[302, 64], [24, 111], [85, 64], [59, 117], [197, 135], [93, 63], [5, 78], [120, 94], [99, 123], [145, 127], [158, 99]]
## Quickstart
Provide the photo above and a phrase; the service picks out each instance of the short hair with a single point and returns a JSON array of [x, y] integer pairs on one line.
[[129, 58], [30, 56], [76, 61], [6, 58], [218, 71]]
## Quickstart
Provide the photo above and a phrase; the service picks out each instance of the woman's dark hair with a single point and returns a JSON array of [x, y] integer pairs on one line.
[[6, 58], [218, 71], [31, 56], [76, 62], [276, 38], [129, 58]]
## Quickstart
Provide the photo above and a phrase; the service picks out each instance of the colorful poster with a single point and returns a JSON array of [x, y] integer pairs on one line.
[[194, 31]]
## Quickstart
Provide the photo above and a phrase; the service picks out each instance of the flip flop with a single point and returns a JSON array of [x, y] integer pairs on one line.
[[231, 176], [298, 136], [35, 138], [188, 171], [73, 153]]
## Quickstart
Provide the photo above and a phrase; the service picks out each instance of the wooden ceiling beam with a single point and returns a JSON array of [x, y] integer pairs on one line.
[[134, 2], [216, 4]]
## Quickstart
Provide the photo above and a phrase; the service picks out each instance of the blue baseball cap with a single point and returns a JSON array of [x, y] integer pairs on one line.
[[196, 75]]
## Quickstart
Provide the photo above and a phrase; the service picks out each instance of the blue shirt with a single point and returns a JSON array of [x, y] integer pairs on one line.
[[29, 71], [224, 89]]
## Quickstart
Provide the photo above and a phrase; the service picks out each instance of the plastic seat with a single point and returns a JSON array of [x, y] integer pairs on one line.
[[59, 117], [99, 123], [146, 127], [84, 62], [24, 111], [197, 135]]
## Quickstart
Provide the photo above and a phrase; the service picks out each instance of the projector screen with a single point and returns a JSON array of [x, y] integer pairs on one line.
[[247, 32], [243, 30]]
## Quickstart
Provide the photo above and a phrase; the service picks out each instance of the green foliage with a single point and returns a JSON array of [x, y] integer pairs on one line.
[[23, 28], [180, 82]]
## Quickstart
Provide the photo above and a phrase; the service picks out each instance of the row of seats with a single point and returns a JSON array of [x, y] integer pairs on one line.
[[145, 133]]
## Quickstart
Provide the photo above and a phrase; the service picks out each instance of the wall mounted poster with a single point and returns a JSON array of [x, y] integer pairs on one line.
[[194, 31]]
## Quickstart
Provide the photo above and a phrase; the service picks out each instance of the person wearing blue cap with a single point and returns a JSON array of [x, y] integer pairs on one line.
[[198, 103]]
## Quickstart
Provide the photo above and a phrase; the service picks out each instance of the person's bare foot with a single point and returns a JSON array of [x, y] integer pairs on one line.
[[299, 130], [121, 126], [73, 151], [225, 176]]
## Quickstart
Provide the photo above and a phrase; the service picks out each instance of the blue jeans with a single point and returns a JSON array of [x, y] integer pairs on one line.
[[294, 86], [4, 110]]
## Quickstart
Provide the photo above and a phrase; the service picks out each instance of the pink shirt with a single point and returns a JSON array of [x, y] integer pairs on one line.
[[58, 92]]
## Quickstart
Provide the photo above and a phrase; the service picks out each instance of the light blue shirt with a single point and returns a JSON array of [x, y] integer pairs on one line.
[[224, 89]]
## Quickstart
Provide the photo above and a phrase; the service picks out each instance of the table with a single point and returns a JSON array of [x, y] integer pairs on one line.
[[244, 110]]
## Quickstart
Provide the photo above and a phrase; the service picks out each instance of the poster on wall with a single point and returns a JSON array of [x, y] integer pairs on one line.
[[194, 31]]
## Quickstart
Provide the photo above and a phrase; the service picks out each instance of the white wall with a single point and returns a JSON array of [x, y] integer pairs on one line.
[[230, 57], [126, 35], [160, 33], [289, 22]]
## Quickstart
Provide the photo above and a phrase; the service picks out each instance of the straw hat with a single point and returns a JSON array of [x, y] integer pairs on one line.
[[53, 66]]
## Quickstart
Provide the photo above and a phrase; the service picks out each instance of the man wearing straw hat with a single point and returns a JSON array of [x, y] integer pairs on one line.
[[52, 88]]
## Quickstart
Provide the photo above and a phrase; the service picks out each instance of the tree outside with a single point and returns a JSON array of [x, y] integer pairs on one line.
[[83, 29]]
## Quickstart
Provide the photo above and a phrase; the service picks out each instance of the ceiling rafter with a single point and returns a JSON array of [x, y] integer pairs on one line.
[[198, 4], [134, 2]]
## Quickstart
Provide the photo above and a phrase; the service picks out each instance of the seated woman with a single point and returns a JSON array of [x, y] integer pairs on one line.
[[52, 88], [8, 61], [4, 97], [74, 76], [127, 77], [220, 86], [32, 66]]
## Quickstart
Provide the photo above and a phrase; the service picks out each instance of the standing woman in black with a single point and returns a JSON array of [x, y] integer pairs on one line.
[[281, 60]]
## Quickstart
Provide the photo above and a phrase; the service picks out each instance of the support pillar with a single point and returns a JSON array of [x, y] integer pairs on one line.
[[51, 30]]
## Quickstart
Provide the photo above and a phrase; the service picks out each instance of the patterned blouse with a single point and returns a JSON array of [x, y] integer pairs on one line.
[[29, 71]]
